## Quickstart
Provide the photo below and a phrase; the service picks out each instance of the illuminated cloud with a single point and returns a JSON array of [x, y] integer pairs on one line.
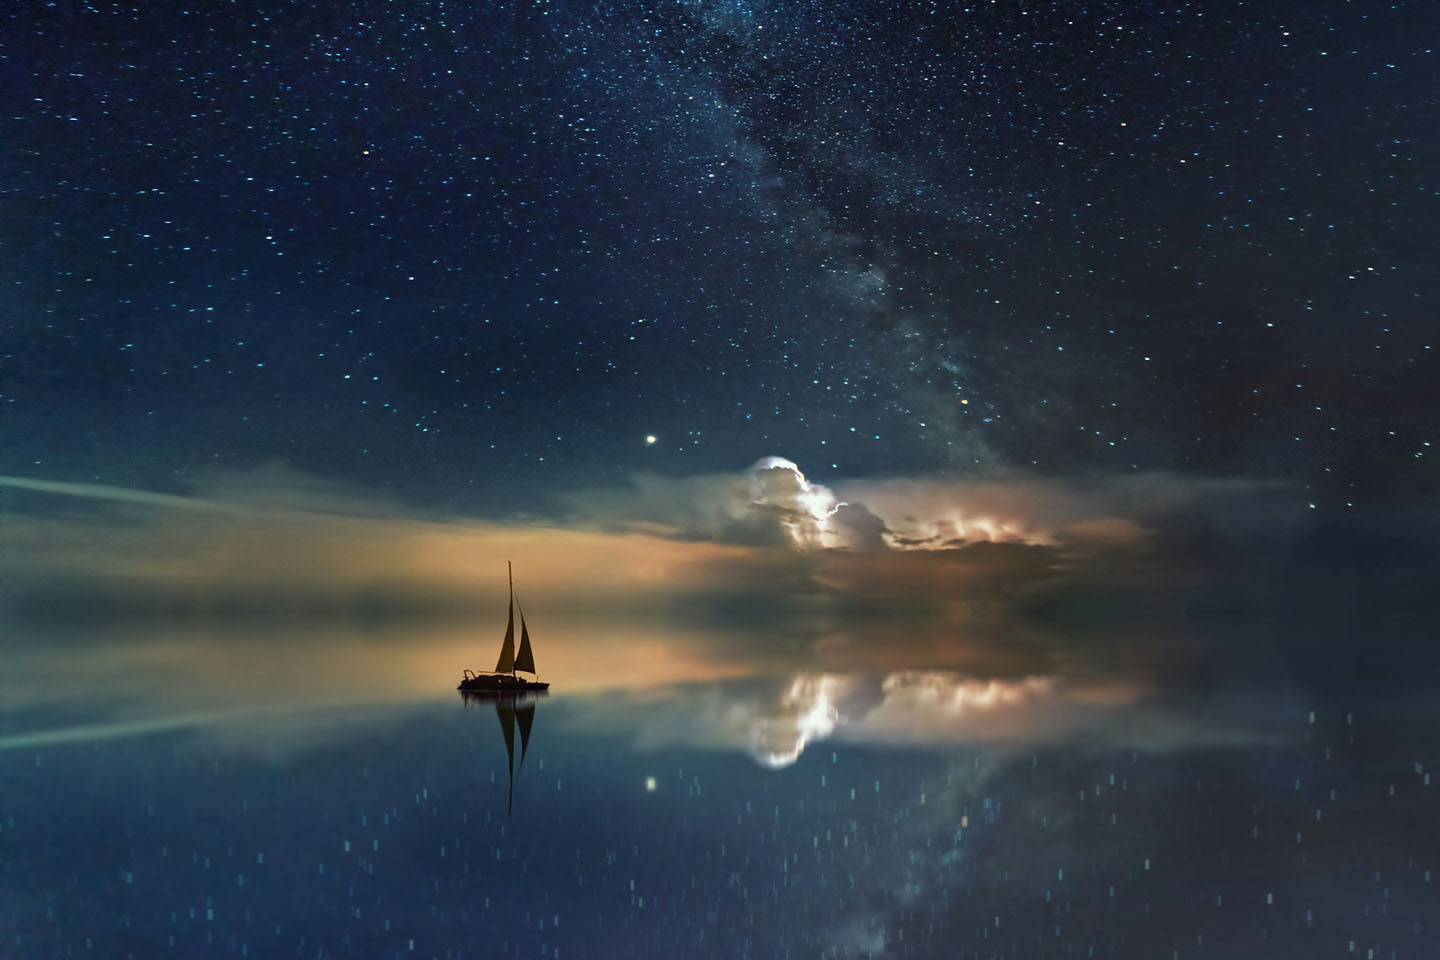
[[774, 503], [771, 504], [796, 576], [1072, 612], [794, 573], [276, 539]]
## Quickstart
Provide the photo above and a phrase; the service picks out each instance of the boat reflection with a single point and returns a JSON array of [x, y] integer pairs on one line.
[[515, 709]]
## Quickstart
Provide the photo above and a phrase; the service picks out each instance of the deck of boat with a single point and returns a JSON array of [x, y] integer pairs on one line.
[[503, 682]]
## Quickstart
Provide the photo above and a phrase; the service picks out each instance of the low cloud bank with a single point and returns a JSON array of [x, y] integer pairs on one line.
[[766, 544], [998, 577], [774, 503]]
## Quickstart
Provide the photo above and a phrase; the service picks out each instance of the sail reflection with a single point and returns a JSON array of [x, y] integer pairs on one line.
[[514, 710]]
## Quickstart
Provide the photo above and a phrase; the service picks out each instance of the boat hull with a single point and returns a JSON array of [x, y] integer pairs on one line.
[[500, 683]]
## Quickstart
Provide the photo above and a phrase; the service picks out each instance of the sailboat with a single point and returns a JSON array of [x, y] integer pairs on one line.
[[505, 677]]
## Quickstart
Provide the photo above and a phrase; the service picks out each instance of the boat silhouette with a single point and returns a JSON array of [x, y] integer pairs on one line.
[[504, 677], [515, 709]]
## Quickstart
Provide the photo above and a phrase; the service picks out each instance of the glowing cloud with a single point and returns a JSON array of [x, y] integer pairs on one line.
[[803, 508]]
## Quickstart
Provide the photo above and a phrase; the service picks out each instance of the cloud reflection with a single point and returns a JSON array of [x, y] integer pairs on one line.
[[898, 610], [806, 712], [929, 708], [157, 678]]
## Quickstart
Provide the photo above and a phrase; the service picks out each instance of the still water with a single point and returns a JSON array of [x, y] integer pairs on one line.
[[779, 813]]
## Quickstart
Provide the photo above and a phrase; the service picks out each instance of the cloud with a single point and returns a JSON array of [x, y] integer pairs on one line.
[[770, 504], [801, 570], [758, 611], [111, 494], [272, 488], [272, 541], [775, 503], [761, 571]]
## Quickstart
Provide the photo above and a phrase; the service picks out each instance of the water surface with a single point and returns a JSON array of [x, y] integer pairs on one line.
[[233, 794]]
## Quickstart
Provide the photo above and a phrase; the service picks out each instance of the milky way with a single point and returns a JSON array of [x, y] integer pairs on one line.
[[965, 468], [473, 253]]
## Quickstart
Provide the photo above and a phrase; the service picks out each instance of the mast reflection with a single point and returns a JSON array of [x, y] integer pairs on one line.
[[513, 708]]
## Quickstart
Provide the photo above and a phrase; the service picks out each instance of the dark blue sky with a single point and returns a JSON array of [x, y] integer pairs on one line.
[[315, 314], [476, 254]]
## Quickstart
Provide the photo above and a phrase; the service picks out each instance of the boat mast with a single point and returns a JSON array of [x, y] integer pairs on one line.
[[510, 571], [506, 663]]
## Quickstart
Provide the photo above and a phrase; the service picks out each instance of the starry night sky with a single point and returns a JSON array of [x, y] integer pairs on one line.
[[1095, 586], [476, 253]]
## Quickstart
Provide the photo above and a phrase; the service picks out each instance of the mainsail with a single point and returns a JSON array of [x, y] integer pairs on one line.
[[507, 650], [506, 663]]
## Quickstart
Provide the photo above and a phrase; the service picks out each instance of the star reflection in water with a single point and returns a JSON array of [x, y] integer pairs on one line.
[[915, 812]]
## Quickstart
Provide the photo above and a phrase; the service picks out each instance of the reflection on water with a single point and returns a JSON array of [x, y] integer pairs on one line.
[[513, 710], [64, 683], [911, 811], [769, 693], [402, 833]]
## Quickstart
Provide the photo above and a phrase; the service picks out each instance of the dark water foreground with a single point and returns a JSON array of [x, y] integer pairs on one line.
[[384, 833]]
